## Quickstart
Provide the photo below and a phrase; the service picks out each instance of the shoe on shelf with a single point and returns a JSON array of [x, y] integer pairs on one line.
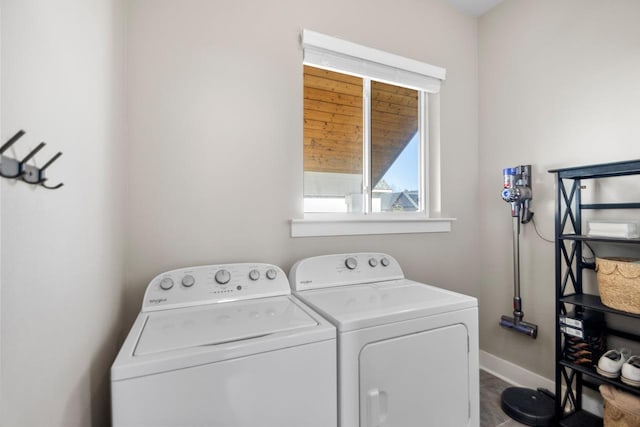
[[611, 362], [631, 371]]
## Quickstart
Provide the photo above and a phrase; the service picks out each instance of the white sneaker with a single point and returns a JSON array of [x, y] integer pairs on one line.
[[611, 362], [631, 371]]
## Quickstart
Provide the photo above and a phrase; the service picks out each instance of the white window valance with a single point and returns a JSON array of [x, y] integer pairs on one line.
[[342, 56]]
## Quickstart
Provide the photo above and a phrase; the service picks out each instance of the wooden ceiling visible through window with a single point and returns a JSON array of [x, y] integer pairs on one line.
[[333, 123]]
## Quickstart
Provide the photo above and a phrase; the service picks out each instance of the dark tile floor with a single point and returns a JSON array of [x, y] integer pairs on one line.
[[490, 413]]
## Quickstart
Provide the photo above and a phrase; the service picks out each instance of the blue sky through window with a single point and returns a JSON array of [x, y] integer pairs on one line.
[[403, 173]]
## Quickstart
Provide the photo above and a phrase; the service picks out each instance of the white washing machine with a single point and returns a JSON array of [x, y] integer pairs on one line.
[[225, 346], [407, 352]]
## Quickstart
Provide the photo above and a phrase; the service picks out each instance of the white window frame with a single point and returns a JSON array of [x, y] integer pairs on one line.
[[322, 51]]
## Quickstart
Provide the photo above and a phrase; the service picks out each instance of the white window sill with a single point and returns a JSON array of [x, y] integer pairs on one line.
[[316, 227]]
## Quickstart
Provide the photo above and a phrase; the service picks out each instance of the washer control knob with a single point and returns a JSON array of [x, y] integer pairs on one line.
[[188, 281], [351, 263], [166, 284], [271, 274], [373, 262], [223, 277], [384, 261], [254, 275]]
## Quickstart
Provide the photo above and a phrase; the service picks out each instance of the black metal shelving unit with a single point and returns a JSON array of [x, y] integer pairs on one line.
[[571, 378]]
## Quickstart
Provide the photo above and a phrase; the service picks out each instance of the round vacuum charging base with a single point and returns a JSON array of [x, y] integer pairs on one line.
[[528, 406]]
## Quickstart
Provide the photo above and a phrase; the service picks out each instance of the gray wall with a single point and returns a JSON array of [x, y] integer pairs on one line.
[[62, 266], [215, 107], [558, 87]]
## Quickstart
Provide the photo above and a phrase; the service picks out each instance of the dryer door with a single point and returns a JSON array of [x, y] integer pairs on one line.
[[420, 379]]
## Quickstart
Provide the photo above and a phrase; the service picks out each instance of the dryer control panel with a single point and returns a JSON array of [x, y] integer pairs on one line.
[[191, 286], [344, 269]]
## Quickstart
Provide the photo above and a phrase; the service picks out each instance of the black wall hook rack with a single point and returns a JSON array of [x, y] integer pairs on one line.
[[19, 169]]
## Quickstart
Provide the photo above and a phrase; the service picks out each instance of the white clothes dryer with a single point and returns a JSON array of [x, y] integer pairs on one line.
[[225, 346], [407, 351]]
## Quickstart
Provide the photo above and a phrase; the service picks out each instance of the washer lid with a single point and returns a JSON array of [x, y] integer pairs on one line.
[[215, 324], [365, 305]]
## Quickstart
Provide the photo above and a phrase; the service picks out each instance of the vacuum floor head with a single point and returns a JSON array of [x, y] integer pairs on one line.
[[520, 326]]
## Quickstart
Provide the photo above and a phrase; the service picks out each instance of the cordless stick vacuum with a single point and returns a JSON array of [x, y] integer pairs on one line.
[[517, 192], [525, 405]]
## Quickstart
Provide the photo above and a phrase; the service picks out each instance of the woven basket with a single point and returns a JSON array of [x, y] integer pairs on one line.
[[620, 409], [619, 283]]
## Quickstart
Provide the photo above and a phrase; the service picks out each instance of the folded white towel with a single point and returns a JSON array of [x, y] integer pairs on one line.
[[625, 230]]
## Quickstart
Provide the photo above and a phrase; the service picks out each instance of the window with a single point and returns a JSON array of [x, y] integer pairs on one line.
[[337, 117], [367, 127]]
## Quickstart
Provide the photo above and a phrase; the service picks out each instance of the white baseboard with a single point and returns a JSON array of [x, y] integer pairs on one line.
[[521, 377], [512, 373]]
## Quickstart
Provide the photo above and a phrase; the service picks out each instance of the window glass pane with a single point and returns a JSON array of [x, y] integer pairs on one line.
[[332, 141], [395, 148]]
